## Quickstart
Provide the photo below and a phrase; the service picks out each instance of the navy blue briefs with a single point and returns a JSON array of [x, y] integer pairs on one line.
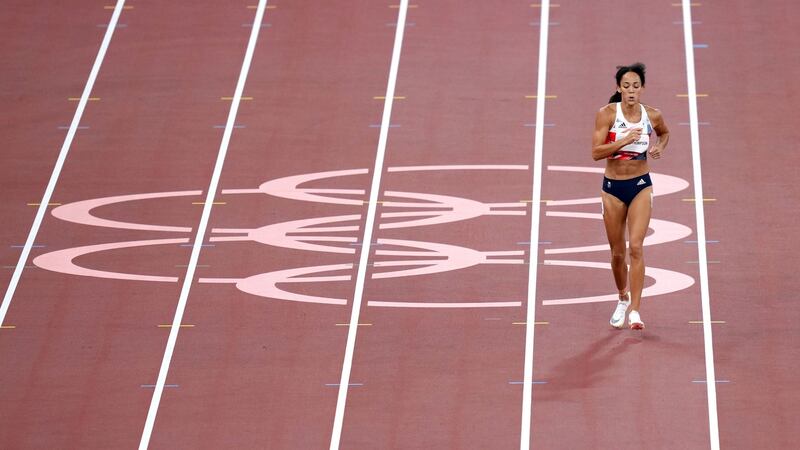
[[626, 190]]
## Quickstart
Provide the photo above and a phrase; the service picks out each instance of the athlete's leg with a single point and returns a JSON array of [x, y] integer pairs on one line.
[[638, 221], [614, 215]]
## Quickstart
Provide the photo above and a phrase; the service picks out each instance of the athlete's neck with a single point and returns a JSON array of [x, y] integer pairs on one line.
[[631, 111]]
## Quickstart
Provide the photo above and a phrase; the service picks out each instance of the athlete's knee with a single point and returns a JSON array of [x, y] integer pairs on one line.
[[636, 251], [618, 254]]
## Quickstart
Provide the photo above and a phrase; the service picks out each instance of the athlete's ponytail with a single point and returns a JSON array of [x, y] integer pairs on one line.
[[637, 68]]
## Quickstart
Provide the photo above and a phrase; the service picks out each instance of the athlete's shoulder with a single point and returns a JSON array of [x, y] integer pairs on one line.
[[608, 111], [652, 112], [609, 108]]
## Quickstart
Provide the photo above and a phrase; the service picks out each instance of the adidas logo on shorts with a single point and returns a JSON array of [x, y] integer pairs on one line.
[[641, 182]]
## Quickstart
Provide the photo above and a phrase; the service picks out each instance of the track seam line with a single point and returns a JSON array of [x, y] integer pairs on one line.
[[201, 230], [62, 156], [711, 388], [527, 387], [347, 364]]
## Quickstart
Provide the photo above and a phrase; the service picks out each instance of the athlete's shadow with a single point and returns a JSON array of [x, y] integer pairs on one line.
[[589, 367]]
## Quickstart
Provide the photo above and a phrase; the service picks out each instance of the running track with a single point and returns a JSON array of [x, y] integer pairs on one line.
[[259, 352]]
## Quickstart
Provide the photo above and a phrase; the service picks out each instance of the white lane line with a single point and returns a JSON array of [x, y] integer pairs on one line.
[[62, 156], [711, 388], [201, 229], [527, 387], [341, 401]]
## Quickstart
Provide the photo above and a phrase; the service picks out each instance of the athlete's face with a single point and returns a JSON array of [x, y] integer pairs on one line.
[[631, 88]]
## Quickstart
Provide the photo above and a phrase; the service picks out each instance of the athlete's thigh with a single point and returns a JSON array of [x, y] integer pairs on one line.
[[614, 215], [639, 215]]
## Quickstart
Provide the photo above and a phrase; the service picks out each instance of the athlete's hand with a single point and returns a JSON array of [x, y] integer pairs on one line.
[[655, 152], [633, 135]]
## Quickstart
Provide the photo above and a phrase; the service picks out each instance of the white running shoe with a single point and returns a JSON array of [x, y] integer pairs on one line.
[[635, 321], [618, 318]]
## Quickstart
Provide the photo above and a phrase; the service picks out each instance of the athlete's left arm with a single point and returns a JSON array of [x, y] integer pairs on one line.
[[661, 131]]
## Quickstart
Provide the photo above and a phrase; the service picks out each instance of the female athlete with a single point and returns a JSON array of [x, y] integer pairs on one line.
[[622, 136]]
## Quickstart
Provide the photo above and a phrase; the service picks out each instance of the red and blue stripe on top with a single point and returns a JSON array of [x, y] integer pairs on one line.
[[635, 150]]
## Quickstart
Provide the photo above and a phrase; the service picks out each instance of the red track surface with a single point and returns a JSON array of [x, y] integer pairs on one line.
[[255, 372]]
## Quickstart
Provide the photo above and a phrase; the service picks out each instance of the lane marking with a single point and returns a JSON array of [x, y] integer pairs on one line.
[[359, 325], [398, 97], [213, 203], [712, 321], [339, 385], [537, 96], [715, 381], [525, 323], [113, 6], [687, 95], [231, 98], [532, 382], [444, 304], [711, 389], [539, 5], [338, 420], [88, 99], [690, 4], [536, 202], [7, 327], [62, 156], [409, 6], [166, 385], [170, 325], [201, 230], [40, 204], [695, 199]]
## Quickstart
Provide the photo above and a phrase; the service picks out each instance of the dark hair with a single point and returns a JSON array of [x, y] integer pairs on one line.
[[637, 68]]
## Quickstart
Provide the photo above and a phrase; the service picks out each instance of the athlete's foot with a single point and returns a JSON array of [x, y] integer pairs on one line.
[[618, 318], [635, 321]]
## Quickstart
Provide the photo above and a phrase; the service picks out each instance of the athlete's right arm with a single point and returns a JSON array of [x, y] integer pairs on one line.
[[602, 124]]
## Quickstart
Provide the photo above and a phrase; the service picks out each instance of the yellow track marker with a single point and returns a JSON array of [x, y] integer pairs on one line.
[[7, 327], [687, 95], [244, 99], [213, 203], [170, 326], [525, 323], [546, 96], [360, 325], [712, 321], [384, 98], [692, 199], [112, 7], [77, 99], [38, 204]]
